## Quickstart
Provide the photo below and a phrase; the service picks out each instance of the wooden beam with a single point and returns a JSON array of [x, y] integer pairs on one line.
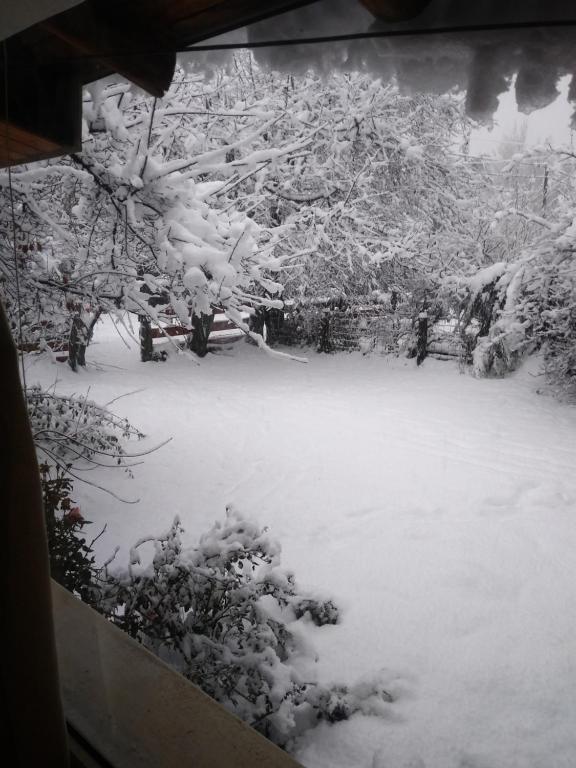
[[131, 46], [13, 135], [395, 10], [40, 107], [191, 21], [136, 38], [17, 145]]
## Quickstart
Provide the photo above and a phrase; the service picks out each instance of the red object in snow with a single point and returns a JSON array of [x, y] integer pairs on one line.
[[73, 517]]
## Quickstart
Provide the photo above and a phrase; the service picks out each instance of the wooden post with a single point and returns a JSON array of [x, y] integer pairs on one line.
[[201, 327]]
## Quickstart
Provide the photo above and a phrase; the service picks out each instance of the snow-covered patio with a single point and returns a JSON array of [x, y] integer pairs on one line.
[[439, 511]]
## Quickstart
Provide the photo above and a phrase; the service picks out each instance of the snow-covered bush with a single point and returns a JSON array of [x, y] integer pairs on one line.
[[225, 615], [500, 352], [526, 304], [551, 306], [560, 370]]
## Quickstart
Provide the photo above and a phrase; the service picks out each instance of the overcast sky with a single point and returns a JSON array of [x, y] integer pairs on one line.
[[551, 124]]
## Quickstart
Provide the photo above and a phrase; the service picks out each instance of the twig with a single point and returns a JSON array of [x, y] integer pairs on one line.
[[95, 539], [126, 394], [67, 469]]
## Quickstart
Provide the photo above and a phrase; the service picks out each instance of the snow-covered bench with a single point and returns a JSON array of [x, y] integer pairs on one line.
[[223, 330]]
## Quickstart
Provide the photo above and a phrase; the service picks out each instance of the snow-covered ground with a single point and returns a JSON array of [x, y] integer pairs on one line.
[[438, 510]]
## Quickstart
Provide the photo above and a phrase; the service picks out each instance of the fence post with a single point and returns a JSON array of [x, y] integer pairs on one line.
[[274, 325]]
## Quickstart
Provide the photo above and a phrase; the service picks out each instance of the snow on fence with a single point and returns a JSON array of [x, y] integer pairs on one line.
[[361, 325], [445, 342]]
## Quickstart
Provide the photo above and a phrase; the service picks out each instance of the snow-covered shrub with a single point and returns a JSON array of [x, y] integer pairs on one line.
[[321, 612], [531, 308], [340, 701], [554, 318], [500, 352], [560, 367], [225, 615]]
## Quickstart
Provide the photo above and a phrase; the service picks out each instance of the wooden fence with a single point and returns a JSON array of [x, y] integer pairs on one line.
[[362, 325]]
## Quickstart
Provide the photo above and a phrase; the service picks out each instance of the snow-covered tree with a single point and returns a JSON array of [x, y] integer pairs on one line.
[[386, 201], [145, 216]]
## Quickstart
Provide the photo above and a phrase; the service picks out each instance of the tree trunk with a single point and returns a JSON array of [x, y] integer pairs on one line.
[[146, 345], [74, 341], [422, 338], [201, 327], [80, 336]]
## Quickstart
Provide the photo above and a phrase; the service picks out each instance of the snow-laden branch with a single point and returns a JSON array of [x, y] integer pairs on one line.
[[259, 340], [208, 161], [529, 216]]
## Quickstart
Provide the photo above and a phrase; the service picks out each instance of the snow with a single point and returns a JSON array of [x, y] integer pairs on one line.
[[486, 276], [438, 510]]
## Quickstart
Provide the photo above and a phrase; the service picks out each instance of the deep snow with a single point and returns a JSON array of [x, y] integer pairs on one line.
[[437, 509]]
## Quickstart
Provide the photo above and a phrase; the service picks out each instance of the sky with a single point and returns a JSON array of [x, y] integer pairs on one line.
[[551, 124]]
